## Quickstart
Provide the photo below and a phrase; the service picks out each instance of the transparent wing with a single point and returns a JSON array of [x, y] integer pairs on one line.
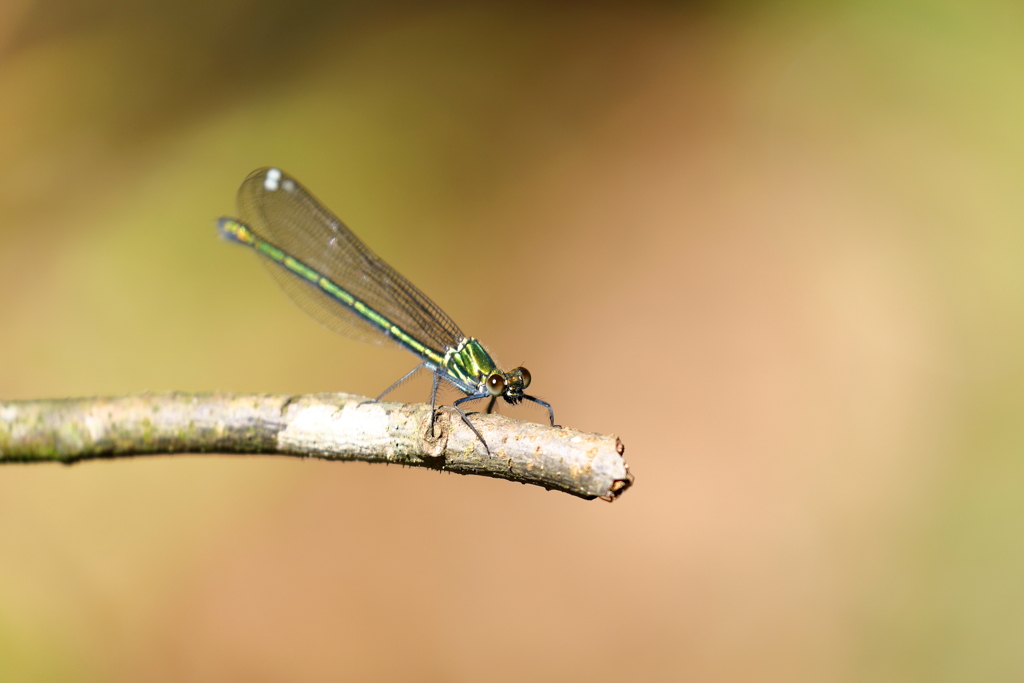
[[282, 212]]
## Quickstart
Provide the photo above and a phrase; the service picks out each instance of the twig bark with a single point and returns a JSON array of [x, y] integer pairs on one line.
[[329, 426]]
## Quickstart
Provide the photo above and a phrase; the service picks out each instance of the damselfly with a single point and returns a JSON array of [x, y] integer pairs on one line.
[[335, 278]]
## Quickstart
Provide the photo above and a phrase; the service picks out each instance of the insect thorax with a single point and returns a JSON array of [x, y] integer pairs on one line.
[[469, 362]]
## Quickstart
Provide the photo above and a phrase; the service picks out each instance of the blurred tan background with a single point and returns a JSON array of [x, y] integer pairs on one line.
[[776, 247]]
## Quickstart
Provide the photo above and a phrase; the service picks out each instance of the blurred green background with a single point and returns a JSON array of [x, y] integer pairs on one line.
[[776, 247]]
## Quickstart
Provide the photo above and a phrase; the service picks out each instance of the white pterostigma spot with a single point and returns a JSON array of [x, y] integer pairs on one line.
[[288, 185], [272, 179]]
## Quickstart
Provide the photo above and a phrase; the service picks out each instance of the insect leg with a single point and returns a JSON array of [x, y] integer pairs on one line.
[[551, 412], [407, 376], [465, 418]]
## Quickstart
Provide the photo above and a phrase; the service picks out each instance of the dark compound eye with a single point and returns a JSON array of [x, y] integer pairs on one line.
[[526, 377], [496, 385]]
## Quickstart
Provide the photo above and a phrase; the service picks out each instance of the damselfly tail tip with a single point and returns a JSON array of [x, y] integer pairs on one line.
[[230, 230]]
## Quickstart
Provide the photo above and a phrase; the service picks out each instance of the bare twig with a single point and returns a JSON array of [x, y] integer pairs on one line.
[[329, 426]]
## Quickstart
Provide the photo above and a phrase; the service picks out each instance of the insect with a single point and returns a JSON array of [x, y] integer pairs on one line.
[[339, 281]]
